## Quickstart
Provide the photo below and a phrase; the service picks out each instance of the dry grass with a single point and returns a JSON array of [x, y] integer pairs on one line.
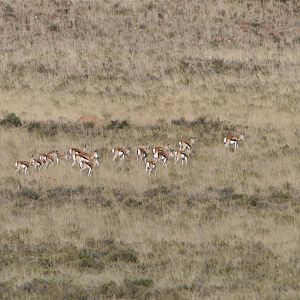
[[225, 226]]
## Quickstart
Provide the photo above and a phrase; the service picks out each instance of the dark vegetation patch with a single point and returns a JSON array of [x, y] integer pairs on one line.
[[52, 128], [11, 120], [95, 257], [64, 289], [195, 65], [117, 124], [156, 198], [205, 125]]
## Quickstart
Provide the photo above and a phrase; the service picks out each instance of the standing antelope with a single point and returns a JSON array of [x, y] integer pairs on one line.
[[79, 156], [63, 156], [186, 145], [120, 153], [22, 164], [88, 166], [72, 154], [231, 139], [180, 155], [163, 156], [156, 149], [142, 153], [53, 156], [37, 163], [150, 167], [49, 157]]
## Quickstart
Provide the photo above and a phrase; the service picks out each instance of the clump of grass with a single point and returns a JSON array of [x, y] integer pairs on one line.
[[126, 255], [28, 193], [51, 128], [11, 120], [116, 124]]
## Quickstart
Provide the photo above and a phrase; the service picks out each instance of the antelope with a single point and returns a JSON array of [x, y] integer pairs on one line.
[[231, 139], [73, 151], [84, 148], [87, 165], [156, 149], [180, 155], [87, 157], [53, 156], [47, 158], [150, 167], [120, 153], [62, 157], [36, 163], [142, 153], [163, 156], [22, 164], [185, 145], [93, 155]]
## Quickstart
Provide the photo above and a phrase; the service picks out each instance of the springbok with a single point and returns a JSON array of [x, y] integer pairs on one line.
[[120, 153], [72, 153], [163, 156], [186, 145], [156, 149], [22, 164], [46, 159], [49, 157], [87, 166], [87, 157], [37, 163], [180, 155], [63, 156], [150, 167], [231, 139], [142, 153]]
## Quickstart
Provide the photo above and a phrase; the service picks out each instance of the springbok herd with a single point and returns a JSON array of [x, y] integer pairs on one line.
[[88, 160]]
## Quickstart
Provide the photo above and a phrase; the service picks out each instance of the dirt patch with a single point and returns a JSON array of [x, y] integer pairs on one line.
[[91, 119]]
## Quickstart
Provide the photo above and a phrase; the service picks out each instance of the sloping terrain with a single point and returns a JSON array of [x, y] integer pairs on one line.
[[133, 73]]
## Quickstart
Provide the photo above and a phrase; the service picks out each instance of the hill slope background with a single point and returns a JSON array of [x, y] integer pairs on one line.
[[151, 72]]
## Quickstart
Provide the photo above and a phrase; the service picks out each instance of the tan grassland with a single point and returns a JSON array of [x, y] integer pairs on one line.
[[226, 226]]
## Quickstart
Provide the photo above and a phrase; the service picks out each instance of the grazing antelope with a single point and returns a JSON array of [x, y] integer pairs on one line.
[[88, 166], [142, 153], [150, 167], [163, 156], [22, 164], [185, 145], [180, 155], [120, 153], [231, 139]]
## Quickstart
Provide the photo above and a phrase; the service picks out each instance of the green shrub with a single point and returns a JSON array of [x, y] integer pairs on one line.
[[11, 120]]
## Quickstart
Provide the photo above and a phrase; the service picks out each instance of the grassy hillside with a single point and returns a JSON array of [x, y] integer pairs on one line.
[[151, 72]]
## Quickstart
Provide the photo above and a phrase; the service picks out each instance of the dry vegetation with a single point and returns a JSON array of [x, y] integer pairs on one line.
[[224, 227]]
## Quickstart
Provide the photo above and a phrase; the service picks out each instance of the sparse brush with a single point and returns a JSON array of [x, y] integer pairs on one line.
[[168, 73]]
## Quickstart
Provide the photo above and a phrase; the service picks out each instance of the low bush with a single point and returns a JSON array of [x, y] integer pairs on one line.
[[11, 120], [116, 124]]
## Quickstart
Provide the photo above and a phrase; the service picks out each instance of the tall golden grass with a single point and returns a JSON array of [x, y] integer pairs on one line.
[[224, 226]]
